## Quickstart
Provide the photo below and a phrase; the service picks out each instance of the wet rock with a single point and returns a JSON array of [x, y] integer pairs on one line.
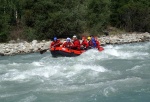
[[1, 54]]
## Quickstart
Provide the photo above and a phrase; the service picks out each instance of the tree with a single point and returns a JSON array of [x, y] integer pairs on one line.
[[4, 19], [10, 14], [54, 17], [132, 15], [98, 13]]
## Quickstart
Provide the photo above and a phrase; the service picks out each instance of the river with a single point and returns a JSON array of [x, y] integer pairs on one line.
[[121, 73]]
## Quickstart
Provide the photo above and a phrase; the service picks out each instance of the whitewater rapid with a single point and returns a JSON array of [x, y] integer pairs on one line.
[[117, 73]]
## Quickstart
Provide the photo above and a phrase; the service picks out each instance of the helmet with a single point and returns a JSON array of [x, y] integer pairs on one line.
[[89, 38], [74, 36], [68, 39], [55, 38]]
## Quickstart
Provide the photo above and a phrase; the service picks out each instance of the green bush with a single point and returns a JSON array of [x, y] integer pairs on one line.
[[29, 34]]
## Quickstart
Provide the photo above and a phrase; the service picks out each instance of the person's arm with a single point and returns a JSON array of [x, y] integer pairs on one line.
[[64, 44]]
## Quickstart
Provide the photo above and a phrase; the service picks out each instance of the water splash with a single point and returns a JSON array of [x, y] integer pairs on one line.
[[116, 71]]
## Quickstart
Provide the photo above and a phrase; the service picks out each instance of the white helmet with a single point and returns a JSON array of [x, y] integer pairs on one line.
[[74, 36]]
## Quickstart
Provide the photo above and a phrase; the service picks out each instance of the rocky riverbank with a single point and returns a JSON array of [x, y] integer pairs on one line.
[[23, 47]]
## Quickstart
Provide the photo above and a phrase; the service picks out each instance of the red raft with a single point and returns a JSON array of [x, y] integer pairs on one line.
[[67, 52]]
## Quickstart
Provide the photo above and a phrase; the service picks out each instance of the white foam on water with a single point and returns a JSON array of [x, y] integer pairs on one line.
[[63, 88], [92, 54], [19, 77], [121, 52], [46, 72], [114, 51], [79, 67], [13, 75], [14, 64], [66, 67], [38, 70], [77, 70], [107, 88], [62, 76], [82, 74], [109, 91], [30, 98], [127, 80], [135, 68], [114, 87], [37, 63], [13, 94], [76, 74], [7, 95], [126, 83]]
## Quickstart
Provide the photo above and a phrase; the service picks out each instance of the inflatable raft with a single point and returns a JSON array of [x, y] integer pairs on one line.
[[67, 52]]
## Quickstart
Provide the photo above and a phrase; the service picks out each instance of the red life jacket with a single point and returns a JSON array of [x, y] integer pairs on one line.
[[76, 44], [85, 43], [56, 43], [67, 44]]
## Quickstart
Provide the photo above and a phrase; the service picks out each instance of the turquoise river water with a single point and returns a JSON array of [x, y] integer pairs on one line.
[[121, 73]]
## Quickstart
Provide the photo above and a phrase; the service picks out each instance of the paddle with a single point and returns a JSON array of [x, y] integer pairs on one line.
[[43, 51]]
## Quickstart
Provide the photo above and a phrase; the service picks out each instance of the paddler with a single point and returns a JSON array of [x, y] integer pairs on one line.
[[76, 43], [67, 43], [56, 43]]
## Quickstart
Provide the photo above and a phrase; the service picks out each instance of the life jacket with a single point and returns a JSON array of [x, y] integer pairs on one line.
[[67, 44], [85, 43], [93, 42], [56, 43], [76, 44]]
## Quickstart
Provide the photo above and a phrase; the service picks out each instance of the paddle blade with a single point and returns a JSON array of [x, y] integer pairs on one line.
[[43, 51]]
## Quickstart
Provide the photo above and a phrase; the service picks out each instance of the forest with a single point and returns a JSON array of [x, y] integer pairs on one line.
[[44, 19]]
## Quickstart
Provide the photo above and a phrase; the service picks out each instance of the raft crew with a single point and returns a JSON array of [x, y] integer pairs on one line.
[[93, 42], [98, 43], [76, 43], [56, 43], [84, 43], [68, 43], [89, 43]]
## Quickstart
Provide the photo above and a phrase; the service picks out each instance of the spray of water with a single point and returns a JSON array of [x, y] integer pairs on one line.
[[107, 73]]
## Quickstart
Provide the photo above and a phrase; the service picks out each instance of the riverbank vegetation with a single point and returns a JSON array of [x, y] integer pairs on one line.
[[43, 19]]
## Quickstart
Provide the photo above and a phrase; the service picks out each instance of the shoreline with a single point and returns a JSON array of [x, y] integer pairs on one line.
[[23, 47]]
